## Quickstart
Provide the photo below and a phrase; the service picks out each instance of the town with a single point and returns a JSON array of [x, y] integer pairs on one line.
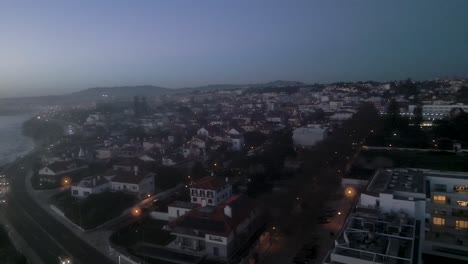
[[286, 172]]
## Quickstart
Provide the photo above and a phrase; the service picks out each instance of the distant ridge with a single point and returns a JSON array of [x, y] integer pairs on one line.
[[122, 91]]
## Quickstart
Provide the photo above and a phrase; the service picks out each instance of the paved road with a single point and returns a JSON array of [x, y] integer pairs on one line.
[[47, 236]]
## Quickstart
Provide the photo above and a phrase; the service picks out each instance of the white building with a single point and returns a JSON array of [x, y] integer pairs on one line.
[[436, 111], [210, 190], [138, 182], [436, 200], [179, 208], [218, 232], [309, 136], [90, 185]]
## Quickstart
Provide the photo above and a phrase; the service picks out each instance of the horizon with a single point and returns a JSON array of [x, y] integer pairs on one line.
[[235, 84], [53, 47]]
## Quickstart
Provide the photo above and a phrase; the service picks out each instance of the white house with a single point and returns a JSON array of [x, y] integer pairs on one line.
[[217, 231], [137, 182], [210, 190], [90, 185], [53, 172]]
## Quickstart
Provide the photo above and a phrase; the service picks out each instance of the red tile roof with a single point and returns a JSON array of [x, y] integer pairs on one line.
[[212, 220], [209, 183]]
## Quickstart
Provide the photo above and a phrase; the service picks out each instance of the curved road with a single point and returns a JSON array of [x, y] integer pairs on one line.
[[44, 234]]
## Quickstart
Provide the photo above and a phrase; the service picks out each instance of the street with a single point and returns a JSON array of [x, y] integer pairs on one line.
[[45, 235]]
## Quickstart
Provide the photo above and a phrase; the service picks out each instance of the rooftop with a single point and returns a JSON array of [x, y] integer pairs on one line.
[[403, 180], [213, 219], [209, 183], [380, 238]]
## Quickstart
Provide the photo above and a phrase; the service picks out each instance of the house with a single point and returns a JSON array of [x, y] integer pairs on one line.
[[104, 153], [237, 142], [138, 182], [217, 231], [210, 190], [90, 185], [53, 172], [173, 159], [210, 131]]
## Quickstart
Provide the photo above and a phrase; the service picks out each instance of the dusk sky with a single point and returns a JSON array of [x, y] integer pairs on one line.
[[55, 47]]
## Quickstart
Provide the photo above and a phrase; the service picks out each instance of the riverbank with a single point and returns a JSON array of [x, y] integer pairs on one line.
[[13, 143]]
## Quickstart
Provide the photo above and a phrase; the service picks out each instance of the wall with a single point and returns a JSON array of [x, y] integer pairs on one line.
[[160, 216], [172, 212]]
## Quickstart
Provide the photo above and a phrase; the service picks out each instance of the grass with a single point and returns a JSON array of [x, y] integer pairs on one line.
[[417, 159], [94, 210], [8, 253], [146, 230]]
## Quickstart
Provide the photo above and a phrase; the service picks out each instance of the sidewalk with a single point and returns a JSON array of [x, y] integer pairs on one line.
[[98, 239]]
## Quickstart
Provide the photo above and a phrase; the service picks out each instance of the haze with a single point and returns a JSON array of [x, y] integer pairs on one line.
[[55, 47]]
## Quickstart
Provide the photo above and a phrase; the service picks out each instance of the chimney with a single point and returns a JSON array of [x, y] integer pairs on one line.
[[228, 211], [135, 170]]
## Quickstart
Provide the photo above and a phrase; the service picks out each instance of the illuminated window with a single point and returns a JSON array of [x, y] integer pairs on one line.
[[462, 203], [460, 188], [460, 224], [440, 198], [438, 221]]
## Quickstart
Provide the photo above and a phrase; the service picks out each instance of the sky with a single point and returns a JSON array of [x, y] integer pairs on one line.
[[56, 47]]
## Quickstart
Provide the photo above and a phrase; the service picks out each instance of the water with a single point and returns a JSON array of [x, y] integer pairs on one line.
[[12, 143]]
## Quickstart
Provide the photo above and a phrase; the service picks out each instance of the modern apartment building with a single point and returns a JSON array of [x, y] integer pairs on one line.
[[435, 204]]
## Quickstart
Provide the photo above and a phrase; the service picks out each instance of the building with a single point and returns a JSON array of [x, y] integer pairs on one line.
[[138, 182], [308, 136], [371, 237], [179, 208], [436, 200], [53, 173], [218, 232], [90, 185], [210, 190], [431, 112]]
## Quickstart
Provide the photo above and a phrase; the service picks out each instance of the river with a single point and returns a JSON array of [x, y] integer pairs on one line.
[[12, 142]]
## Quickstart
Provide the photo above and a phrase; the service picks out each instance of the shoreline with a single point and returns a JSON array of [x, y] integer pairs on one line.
[[32, 144]]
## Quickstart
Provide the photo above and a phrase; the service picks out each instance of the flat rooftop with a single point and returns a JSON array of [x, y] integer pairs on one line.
[[403, 180], [380, 238]]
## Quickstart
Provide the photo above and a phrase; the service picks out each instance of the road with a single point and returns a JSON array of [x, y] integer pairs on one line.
[[45, 235]]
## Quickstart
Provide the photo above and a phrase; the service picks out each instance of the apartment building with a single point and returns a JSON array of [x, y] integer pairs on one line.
[[437, 201]]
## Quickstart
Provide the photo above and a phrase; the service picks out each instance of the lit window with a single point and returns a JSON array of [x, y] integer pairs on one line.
[[460, 224], [440, 198], [460, 188], [438, 221], [462, 203]]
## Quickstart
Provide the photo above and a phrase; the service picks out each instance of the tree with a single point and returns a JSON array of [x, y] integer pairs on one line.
[[198, 171]]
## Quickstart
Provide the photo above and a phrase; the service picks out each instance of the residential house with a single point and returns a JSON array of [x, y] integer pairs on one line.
[[210, 190], [138, 182], [219, 232], [54, 172], [90, 185]]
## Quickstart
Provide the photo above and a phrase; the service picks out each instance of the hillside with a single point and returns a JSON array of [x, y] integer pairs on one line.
[[122, 91]]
